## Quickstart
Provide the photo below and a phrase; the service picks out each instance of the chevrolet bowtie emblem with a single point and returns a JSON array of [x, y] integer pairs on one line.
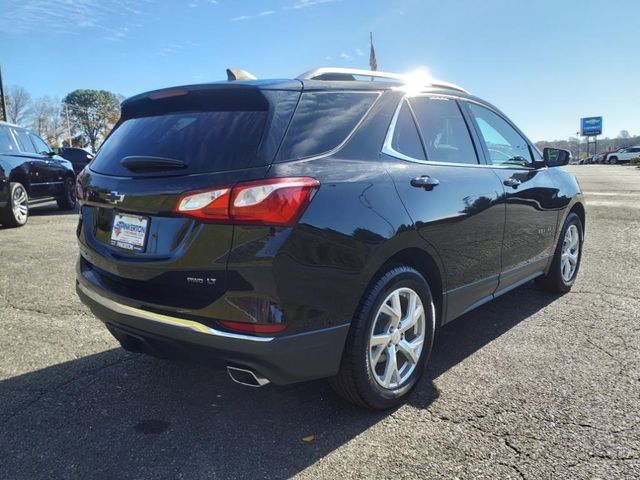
[[114, 197]]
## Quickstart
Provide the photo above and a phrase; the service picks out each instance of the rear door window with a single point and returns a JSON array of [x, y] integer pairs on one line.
[[205, 141], [444, 130], [24, 141], [322, 121]]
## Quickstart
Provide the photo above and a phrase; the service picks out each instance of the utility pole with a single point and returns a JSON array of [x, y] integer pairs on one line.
[[66, 112], [3, 99]]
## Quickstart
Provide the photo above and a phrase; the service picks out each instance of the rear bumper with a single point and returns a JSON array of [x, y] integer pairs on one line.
[[282, 359]]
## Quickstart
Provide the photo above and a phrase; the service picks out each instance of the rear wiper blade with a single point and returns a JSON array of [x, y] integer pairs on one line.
[[141, 163]]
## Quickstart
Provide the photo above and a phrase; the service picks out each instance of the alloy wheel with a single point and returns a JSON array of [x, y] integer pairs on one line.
[[20, 204], [397, 338], [570, 253]]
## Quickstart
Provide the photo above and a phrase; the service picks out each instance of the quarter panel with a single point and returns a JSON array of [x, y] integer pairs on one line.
[[316, 272]]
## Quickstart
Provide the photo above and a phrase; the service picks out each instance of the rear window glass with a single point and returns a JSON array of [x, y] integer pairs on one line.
[[204, 141], [322, 121], [6, 142], [405, 135]]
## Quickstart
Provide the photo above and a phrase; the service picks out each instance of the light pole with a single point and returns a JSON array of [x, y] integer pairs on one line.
[[3, 100]]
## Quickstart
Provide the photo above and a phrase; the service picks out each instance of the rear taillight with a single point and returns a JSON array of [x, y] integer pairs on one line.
[[273, 201]]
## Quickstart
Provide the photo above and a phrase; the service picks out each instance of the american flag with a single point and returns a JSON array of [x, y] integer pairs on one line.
[[373, 62]]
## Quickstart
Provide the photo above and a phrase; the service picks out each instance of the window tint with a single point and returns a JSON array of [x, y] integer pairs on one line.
[[41, 146], [405, 135], [444, 130], [322, 121], [24, 142], [634, 150], [205, 141], [6, 142], [506, 146]]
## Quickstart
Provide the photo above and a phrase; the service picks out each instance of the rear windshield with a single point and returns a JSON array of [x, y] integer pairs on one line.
[[204, 141], [322, 121]]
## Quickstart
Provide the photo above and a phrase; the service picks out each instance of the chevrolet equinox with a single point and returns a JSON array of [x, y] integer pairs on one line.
[[318, 227]]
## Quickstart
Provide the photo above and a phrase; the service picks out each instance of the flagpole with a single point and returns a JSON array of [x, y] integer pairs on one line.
[[373, 62]]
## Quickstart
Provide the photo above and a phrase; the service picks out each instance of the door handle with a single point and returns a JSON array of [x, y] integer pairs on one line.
[[425, 182], [512, 182]]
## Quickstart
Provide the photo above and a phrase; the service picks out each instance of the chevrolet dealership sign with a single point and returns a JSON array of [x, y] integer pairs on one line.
[[591, 126]]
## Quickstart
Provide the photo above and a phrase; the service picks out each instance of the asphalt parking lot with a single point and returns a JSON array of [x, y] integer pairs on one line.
[[529, 386]]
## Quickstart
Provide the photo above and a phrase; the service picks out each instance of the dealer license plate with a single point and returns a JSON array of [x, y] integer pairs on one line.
[[129, 232]]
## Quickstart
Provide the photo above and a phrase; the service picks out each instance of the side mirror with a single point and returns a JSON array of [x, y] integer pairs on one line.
[[556, 157]]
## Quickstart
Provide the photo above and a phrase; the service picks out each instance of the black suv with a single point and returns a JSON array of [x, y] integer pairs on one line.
[[317, 227], [30, 171], [78, 157]]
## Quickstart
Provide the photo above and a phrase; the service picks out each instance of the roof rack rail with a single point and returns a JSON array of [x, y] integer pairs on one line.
[[337, 73]]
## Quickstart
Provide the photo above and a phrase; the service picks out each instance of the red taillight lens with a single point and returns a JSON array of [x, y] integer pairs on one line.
[[254, 327], [274, 201], [207, 205]]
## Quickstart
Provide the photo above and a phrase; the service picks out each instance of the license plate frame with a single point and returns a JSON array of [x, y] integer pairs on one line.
[[129, 232]]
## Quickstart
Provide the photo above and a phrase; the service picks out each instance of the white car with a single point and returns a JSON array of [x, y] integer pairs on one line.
[[624, 155]]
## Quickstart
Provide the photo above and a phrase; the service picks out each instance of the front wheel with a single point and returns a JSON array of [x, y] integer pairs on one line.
[[613, 160], [389, 342], [566, 260], [16, 212], [68, 199]]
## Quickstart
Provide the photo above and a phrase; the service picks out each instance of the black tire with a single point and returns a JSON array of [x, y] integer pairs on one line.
[[355, 381], [8, 216], [553, 281], [68, 199], [613, 160]]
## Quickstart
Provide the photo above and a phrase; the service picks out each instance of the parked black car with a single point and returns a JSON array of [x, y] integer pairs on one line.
[[30, 171], [317, 227], [78, 157]]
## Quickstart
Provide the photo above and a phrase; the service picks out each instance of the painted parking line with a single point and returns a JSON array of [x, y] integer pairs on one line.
[[612, 194]]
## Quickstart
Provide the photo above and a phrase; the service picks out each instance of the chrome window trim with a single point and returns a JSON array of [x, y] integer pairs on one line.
[[388, 149]]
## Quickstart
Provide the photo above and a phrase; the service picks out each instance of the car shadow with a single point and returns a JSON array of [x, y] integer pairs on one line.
[[121, 415], [48, 209]]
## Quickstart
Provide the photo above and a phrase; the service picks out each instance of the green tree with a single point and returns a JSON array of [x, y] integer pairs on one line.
[[93, 113]]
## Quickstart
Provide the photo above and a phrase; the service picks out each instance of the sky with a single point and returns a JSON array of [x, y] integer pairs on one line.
[[545, 63]]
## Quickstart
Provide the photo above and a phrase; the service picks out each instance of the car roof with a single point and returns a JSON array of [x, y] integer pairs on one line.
[[318, 79], [7, 124]]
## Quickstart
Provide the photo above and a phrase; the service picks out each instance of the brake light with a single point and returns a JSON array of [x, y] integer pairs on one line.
[[254, 327], [274, 201]]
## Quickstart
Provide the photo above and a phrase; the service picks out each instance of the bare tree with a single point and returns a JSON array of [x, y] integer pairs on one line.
[[47, 119], [18, 104]]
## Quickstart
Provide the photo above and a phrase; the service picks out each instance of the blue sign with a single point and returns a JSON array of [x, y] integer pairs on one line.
[[590, 126]]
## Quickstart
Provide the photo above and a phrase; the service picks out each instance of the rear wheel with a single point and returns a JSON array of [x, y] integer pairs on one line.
[[389, 342], [16, 212], [68, 199], [566, 260]]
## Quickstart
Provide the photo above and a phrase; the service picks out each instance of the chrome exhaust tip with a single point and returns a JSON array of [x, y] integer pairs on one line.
[[246, 377]]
